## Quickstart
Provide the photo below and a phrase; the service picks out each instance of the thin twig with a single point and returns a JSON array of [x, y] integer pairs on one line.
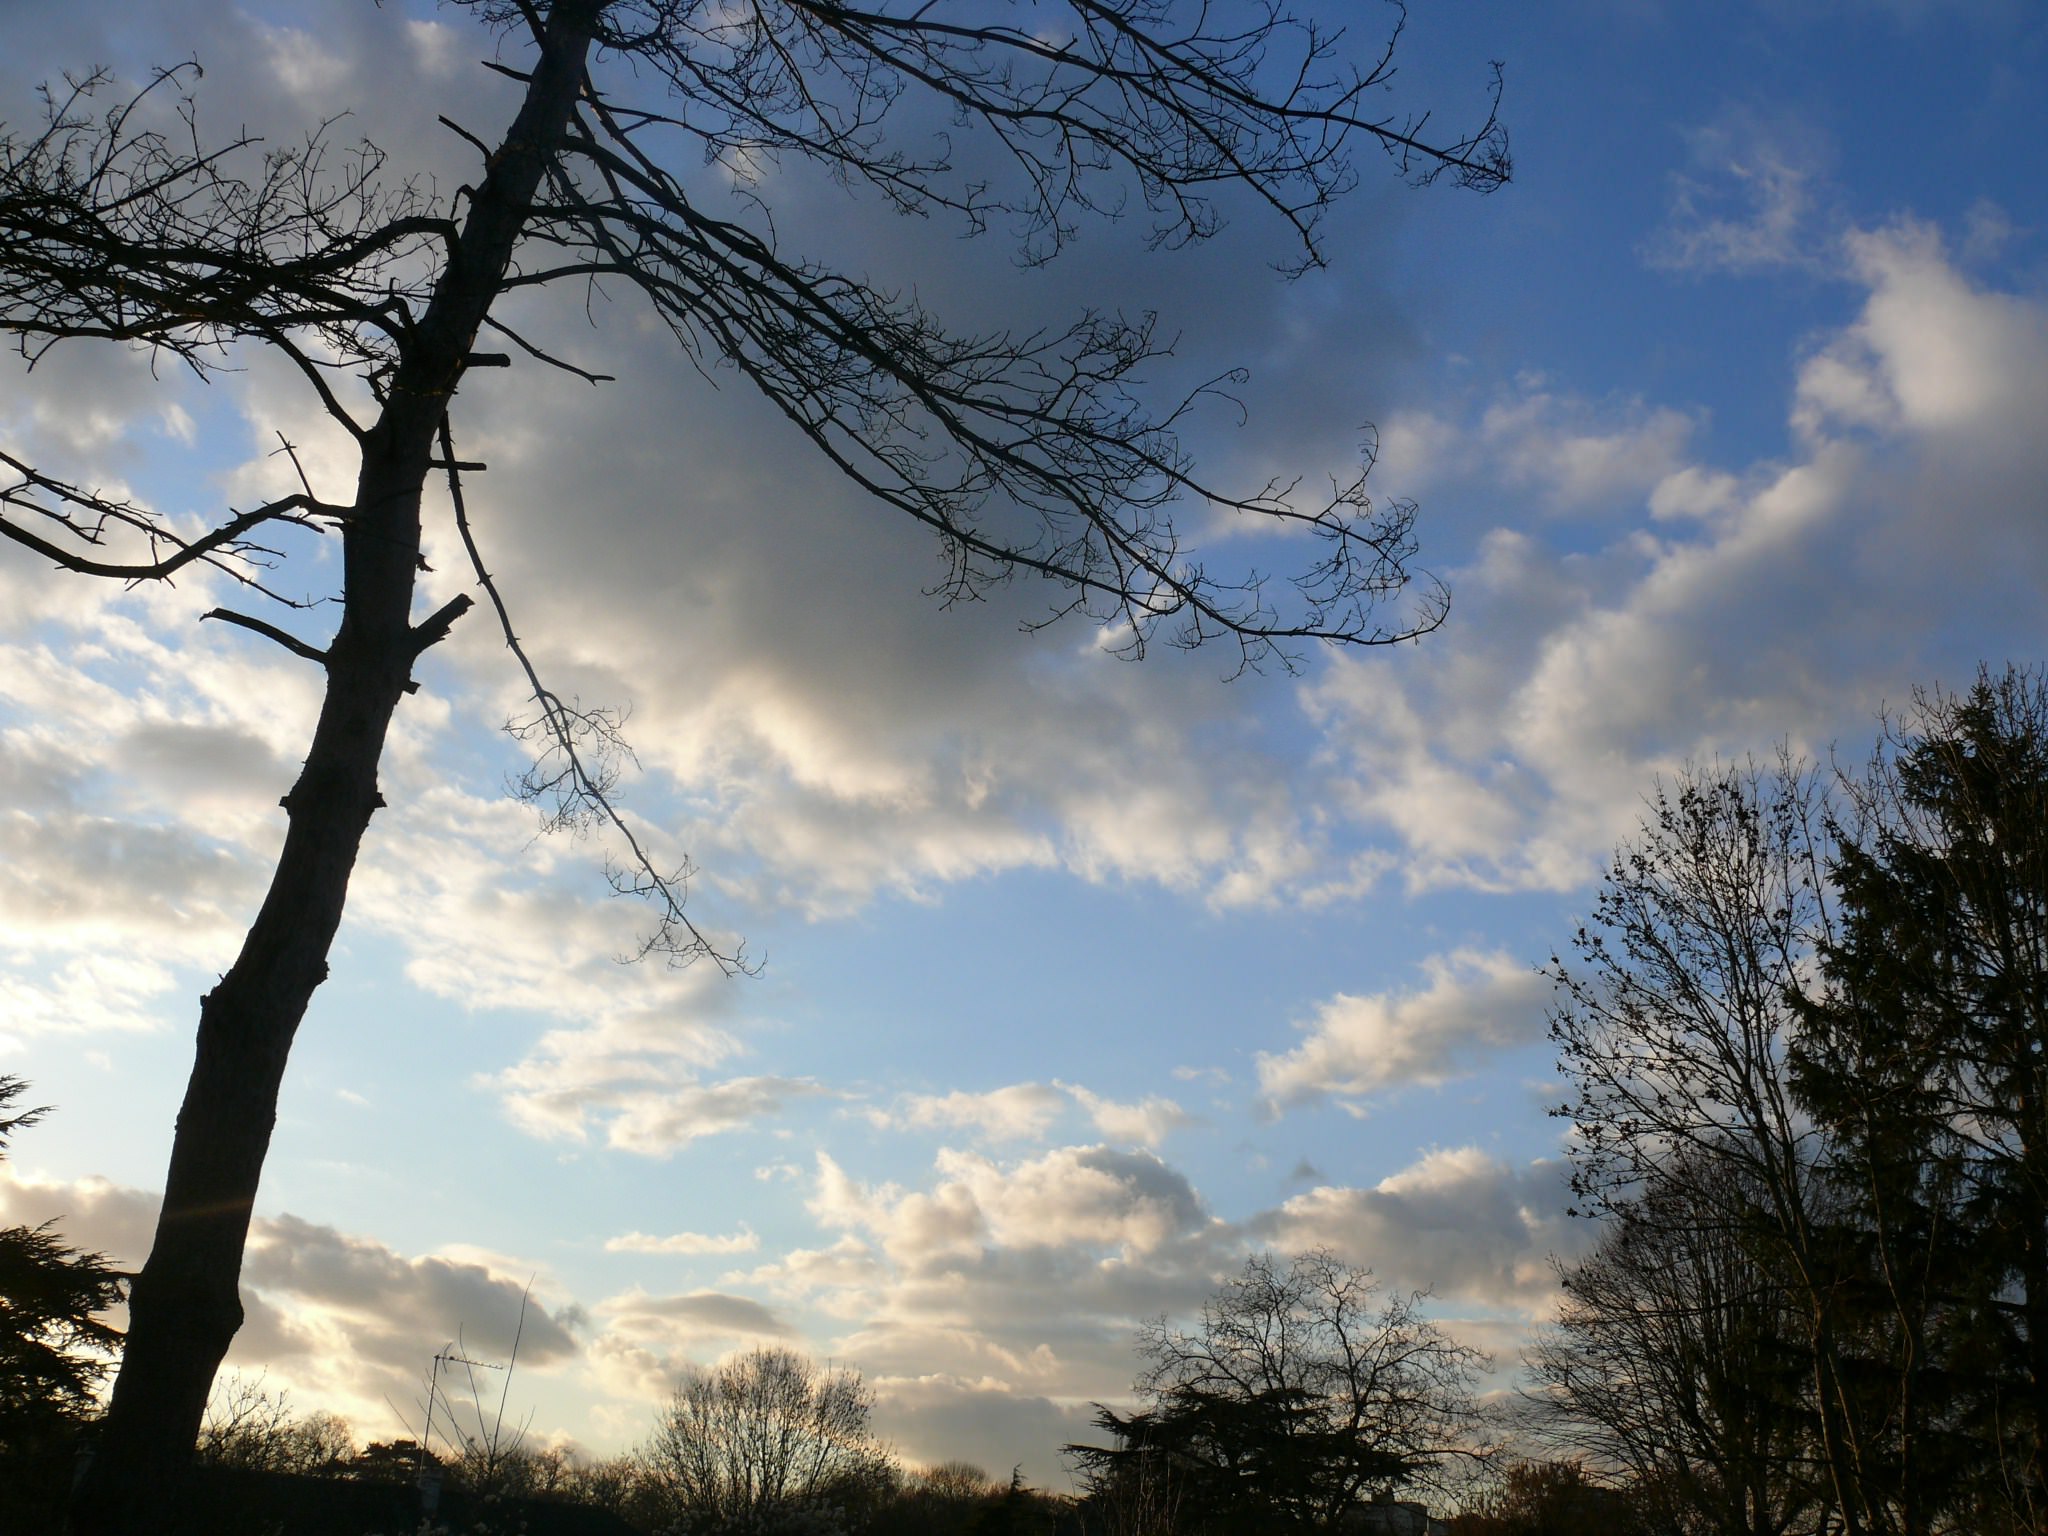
[[586, 786]]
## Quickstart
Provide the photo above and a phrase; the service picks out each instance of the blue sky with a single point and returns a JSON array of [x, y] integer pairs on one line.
[[1084, 977]]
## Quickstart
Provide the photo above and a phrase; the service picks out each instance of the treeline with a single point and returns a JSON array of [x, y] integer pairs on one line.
[[1806, 1038], [766, 1444]]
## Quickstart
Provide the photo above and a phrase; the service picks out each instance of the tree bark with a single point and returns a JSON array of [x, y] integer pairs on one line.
[[185, 1306]]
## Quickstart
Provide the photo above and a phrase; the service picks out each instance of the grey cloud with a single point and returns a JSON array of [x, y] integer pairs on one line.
[[179, 758], [942, 1418], [1461, 1224], [711, 1312], [91, 1214], [399, 1308]]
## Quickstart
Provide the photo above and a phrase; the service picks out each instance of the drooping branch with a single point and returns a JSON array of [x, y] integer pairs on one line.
[[586, 746], [1043, 432]]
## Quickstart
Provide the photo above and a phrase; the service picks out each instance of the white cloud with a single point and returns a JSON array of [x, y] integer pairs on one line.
[[1146, 1123], [1752, 200], [746, 1240], [1778, 598], [1016, 1112], [1027, 1111], [1580, 456], [1474, 1004], [1460, 1223]]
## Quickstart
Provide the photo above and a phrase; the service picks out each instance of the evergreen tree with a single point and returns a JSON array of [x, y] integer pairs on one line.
[[54, 1348], [1928, 1059]]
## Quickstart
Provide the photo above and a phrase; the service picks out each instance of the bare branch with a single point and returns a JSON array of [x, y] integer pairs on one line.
[[269, 631], [88, 517], [582, 785]]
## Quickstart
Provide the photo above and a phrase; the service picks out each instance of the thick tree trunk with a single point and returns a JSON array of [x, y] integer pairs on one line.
[[185, 1306]]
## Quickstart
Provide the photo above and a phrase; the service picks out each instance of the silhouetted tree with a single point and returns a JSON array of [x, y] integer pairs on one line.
[[1927, 1059], [1021, 453], [765, 1439], [1552, 1498], [1680, 1357], [1305, 1391], [54, 1346], [1674, 1025]]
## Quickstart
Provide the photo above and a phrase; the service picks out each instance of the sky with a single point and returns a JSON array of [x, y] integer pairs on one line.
[[1084, 978]]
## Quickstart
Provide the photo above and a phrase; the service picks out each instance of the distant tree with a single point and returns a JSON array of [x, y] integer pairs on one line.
[[389, 1461], [767, 1441], [1305, 1391], [1680, 1358], [1022, 453], [940, 1501], [250, 1425], [1552, 1498], [54, 1346], [1017, 1509]]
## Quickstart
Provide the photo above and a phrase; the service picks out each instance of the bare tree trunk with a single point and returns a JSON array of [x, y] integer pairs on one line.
[[185, 1306]]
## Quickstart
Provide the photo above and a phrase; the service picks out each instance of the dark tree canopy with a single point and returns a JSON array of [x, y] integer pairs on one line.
[[1305, 1392], [1804, 1035], [54, 1346], [124, 222]]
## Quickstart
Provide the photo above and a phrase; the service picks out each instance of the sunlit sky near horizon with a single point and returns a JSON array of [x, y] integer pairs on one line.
[[1084, 977]]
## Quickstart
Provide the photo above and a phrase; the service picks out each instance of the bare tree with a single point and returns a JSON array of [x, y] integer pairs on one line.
[[250, 1425], [1686, 1030], [1305, 1390], [1023, 453], [1680, 1357], [1674, 1028], [763, 1437]]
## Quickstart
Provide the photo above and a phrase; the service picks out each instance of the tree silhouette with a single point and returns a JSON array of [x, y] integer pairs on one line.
[[1927, 1060], [1304, 1392], [1023, 453], [763, 1438], [54, 1347]]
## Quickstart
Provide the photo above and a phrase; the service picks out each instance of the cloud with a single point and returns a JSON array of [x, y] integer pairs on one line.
[[1581, 456], [1146, 1123], [344, 1321], [394, 1309], [1475, 1004], [938, 1417], [1026, 1111], [645, 1342], [1753, 200], [1782, 598], [1094, 1197], [987, 1308], [1017, 1112], [746, 1240], [652, 1119], [1460, 1223], [1931, 356]]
